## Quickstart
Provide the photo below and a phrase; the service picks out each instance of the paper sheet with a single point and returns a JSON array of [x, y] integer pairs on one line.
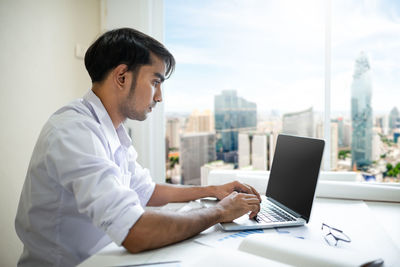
[[353, 217], [299, 252]]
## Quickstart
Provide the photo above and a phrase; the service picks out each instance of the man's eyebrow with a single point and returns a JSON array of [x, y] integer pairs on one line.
[[159, 75]]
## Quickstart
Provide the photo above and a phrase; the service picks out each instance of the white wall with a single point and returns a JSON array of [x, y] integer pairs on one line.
[[39, 73]]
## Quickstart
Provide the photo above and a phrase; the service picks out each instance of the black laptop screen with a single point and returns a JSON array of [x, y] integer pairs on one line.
[[294, 172]]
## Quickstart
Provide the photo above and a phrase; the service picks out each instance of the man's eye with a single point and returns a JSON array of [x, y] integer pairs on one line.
[[155, 83]]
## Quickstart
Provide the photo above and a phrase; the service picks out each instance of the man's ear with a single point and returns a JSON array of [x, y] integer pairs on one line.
[[119, 75]]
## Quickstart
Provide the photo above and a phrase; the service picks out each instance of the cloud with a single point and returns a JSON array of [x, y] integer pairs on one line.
[[272, 52]]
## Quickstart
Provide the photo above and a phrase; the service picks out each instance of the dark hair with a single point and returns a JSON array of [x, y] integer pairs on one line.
[[124, 46]]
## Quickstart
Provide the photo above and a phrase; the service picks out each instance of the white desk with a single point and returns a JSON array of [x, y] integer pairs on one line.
[[374, 228]]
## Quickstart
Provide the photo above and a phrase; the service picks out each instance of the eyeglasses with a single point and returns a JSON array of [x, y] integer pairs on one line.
[[334, 235]]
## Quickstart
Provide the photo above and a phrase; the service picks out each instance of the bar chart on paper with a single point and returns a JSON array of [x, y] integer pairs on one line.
[[226, 239], [241, 234]]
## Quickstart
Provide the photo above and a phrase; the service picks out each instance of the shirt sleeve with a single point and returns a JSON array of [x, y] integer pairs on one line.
[[79, 160], [141, 180]]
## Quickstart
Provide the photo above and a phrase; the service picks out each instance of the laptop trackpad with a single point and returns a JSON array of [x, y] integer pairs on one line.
[[245, 220]]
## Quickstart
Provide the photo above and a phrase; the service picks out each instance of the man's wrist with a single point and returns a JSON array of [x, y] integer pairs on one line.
[[211, 191], [219, 213]]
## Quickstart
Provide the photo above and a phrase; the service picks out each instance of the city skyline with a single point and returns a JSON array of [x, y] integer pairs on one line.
[[382, 153], [371, 146]]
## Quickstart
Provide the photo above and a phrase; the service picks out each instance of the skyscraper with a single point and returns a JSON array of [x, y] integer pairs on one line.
[[376, 147], [347, 134], [334, 149], [232, 114], [244, 150], [361, 113], [172, 132], [340, 126], [382, 122], [200, 122], [299, 123], [256, 150], [344, 132], [394, 119], [196, 150]]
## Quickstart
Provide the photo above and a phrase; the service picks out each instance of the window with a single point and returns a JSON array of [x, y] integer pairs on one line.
[[365, 94], [248, 70]]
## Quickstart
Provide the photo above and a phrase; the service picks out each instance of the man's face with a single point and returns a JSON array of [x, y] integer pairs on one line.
[[146, 92]]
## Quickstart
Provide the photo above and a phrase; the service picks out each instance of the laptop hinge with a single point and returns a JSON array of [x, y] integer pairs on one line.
[[290, 211]]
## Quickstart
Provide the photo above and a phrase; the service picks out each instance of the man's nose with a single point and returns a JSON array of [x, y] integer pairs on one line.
[[158, 95]]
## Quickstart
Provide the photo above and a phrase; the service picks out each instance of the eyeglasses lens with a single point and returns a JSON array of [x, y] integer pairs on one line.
[[339, 235]]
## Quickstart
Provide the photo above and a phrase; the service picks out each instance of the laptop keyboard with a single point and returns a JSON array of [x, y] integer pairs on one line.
[[271, 213]]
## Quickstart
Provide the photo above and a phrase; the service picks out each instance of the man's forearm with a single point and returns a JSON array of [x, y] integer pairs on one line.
[[165, 193], [157, 229]]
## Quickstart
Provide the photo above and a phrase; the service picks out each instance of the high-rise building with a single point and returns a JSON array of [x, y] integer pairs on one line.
[[347, 131], [361, 113], [244, 150], [172, 132], [344, 132], [299, 123], [376, 147], [340, 125], [382, 124], [394, 119], [200, 122], [262, 151], [196, 150], [256, 150], [232, 114], [334, 149], [396, 136]]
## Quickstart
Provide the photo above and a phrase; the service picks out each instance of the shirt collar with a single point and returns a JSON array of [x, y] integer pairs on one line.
[[115, 137]]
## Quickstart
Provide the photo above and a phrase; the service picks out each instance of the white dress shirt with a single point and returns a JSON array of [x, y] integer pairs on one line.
[[83, 188]]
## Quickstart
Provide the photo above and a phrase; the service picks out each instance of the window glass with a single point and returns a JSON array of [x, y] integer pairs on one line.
[[246, 71], [365, 88]]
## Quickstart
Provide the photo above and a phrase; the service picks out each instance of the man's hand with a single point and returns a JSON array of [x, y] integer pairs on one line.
[[238, 204], [221, 191]]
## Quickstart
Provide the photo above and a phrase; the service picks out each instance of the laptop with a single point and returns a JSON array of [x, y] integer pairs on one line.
[[291, 185]]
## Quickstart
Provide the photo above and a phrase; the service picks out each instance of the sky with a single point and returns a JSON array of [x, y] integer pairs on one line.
[[273, 52]]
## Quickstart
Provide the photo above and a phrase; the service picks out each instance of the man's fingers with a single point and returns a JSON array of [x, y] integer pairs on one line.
[[248, 189], [250, 196], [242, 188], [254, 211], [249, 199], [254, 192], [252, 214], [252, 201], [253, 204]]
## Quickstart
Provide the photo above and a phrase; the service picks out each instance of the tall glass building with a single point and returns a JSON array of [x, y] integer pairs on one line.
[[361, 113], [232, 114]]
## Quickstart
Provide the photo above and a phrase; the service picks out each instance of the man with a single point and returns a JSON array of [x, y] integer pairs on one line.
[[84, 188]]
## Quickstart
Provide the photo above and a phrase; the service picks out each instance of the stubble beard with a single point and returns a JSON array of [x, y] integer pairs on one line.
[[128, 111], [127, 108]]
